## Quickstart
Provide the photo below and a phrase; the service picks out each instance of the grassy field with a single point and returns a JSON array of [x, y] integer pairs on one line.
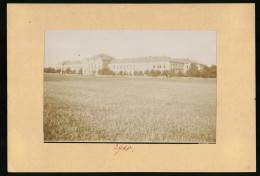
[[89, 108]]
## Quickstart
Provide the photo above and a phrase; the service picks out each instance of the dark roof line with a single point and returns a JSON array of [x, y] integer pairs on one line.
[[153, 59], [70, 62], [102, 56], [132, 60]]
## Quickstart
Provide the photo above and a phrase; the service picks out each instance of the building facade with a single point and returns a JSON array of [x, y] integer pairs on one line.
[[74, 66], [130, 66], [95, 63], [91, 66]]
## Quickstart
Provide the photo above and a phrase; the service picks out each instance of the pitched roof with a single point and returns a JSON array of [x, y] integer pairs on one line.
[[153, 59], [68, 62], [134, 60], [102, 56], [185, 61]]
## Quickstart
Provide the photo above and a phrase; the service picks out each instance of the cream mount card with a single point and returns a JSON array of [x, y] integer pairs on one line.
[[234, 147]]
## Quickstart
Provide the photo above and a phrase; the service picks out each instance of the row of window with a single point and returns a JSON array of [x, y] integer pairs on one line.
[[123, 67], [75, 67], [134, 66], [71, 67], [116, 67], [93, 66], [176, 66], [159, 66]]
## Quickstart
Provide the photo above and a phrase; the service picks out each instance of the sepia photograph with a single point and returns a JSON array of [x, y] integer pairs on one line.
[[131, 86]]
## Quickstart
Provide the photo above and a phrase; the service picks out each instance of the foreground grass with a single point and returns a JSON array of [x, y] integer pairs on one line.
[[82, 108]]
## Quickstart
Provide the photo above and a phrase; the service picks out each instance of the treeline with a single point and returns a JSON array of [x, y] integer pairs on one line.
[[50, 70], [68, 70], [206, 72], [193, 71], [154, 73]]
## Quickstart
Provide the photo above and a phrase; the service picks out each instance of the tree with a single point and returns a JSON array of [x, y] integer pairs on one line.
[[100, 72], [140, 73], [135, 73], [213, 71], [49, 70], [180, 73], [80, 71], [68, 70], [152, 73], [172, 72], [193, 71], [58, 70], [158, 73], [205, 71], [165, 73], [147, 72], [106, 71]]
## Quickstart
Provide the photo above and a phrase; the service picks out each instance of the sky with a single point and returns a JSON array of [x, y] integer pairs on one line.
[[63, 45]]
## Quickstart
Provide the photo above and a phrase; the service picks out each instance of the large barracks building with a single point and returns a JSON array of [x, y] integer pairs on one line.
[[90, 66]]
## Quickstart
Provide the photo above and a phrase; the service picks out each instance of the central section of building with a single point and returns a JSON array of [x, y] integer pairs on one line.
[[92, 65]]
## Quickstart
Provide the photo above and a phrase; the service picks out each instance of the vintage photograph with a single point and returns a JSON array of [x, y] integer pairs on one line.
[[141, 86]]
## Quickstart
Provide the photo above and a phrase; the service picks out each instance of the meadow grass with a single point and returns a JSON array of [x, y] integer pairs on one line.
[[129, 109]]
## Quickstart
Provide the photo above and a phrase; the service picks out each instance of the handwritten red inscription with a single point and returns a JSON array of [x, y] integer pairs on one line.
[[123, 147]]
